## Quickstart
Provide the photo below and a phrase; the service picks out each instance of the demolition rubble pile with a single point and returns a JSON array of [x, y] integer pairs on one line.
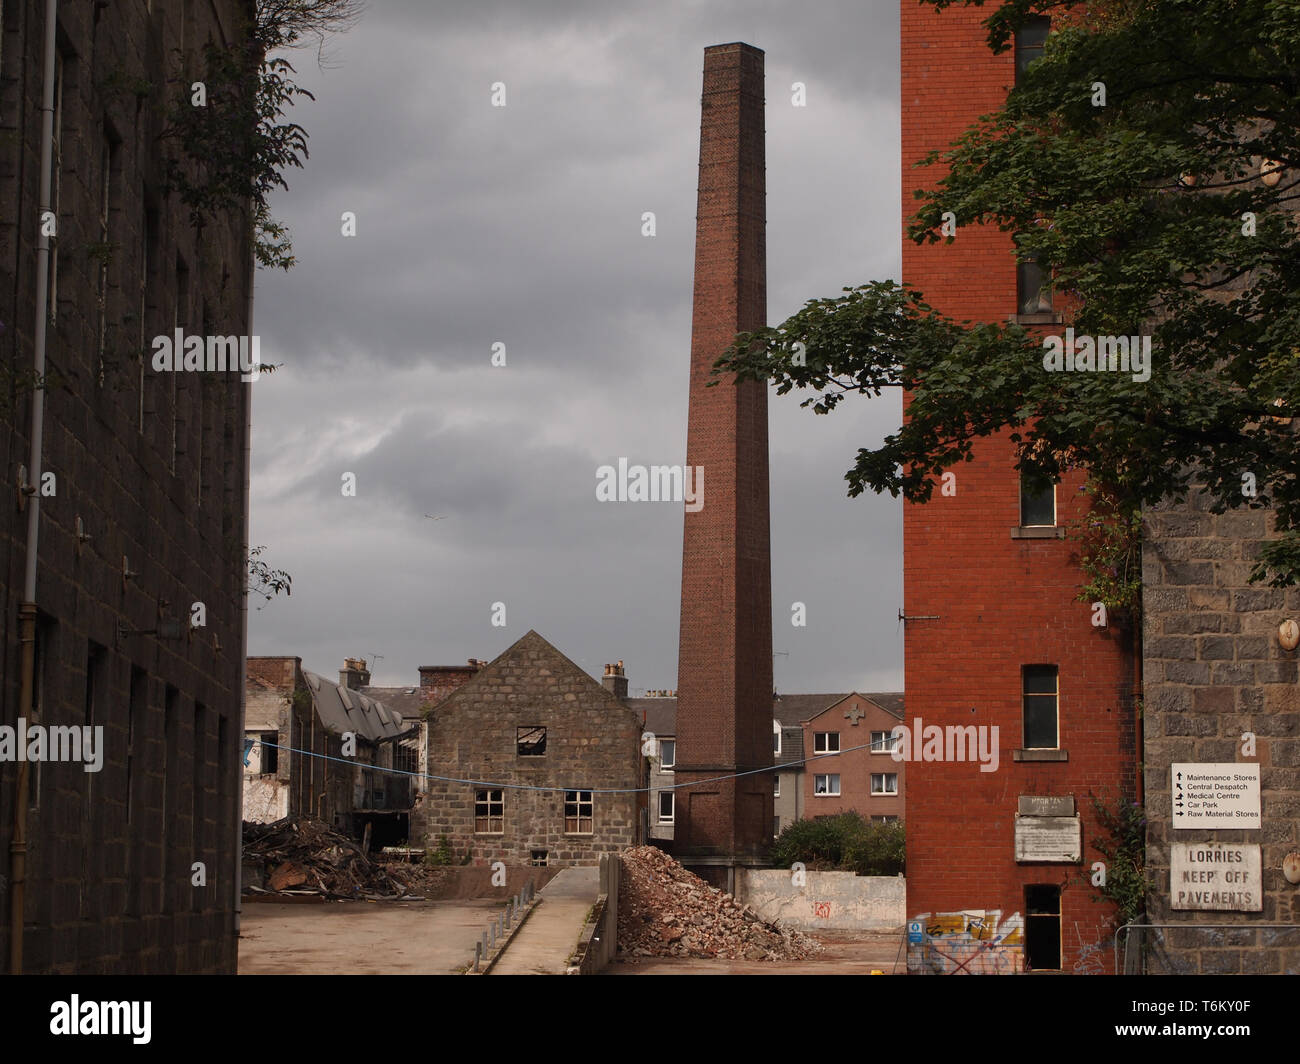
[[299, 855], [666, 911]]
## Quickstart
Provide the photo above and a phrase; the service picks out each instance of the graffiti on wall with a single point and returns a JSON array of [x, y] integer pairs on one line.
[[970, 942]]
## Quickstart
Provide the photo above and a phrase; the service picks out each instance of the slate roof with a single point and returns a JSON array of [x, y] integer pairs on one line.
[[660, 714], [407, 702], [790, 710], [791, 746], [341, 710]]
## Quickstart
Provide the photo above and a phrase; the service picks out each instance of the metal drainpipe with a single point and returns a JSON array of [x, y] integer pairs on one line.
[[27, 610], [243, 616]]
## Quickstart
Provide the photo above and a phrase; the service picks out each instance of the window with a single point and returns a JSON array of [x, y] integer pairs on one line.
[[578, 813], [489, 812], [1040, 707], [666, 806], [1031, 295], [776, 826], [1043, 926], [884, 820], [827, 785], [530, 741], [1029, 42], [776, 737], [884, 783], [538, 858], [776, 786], [1037, 504], [667, 754], [826, 742], [263, 759], [882, 742]]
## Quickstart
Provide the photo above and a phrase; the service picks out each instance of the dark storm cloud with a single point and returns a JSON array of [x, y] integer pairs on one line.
[[522, 225]]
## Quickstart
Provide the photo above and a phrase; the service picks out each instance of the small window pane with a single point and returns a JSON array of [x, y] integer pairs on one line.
[[1037, 505], [1029, 42]]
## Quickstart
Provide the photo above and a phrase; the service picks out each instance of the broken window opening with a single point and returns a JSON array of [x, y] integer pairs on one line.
[[530, 741]]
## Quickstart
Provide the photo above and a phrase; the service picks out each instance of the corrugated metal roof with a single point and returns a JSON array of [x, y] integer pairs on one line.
[[341, 710]]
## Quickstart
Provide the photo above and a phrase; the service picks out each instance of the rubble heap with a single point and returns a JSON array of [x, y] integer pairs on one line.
[[299, 855], [666, 911]]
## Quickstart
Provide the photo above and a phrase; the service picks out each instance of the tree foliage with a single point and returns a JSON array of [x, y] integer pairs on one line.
[[235, 148], [845, 841], [1152, 217]]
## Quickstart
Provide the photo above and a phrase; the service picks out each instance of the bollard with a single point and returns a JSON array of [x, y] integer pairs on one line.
[[492, 929], [478, 954]]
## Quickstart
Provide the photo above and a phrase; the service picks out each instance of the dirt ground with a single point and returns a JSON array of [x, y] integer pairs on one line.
[[361, 938], [846, 953]]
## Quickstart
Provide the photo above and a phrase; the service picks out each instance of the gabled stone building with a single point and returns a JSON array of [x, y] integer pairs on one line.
[[533, 761]]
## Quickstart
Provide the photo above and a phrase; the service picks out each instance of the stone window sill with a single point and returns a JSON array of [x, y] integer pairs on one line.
[[1040, 755], [1037, 532], [1050, 317]]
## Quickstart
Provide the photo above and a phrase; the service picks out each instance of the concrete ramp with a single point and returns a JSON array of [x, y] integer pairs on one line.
[[548, 938]]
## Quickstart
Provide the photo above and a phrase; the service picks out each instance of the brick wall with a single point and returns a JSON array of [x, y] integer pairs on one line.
[[110, 853], [724, 688], [854, 767], [1001, 602], [1213, 670], [593, 742]]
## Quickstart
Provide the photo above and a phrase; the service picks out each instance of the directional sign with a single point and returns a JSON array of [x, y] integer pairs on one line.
[[1215, 795]]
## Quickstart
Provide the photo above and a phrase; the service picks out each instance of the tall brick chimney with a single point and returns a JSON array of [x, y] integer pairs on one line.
[[615, 681], [724, 686]]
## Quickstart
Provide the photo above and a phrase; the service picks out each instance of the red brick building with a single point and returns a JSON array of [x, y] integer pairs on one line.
[[994, 635], [850, 766]]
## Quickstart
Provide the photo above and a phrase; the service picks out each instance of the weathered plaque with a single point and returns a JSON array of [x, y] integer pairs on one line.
[[1215, 795], [1217, 876], [1045, 805], [1048, 838]]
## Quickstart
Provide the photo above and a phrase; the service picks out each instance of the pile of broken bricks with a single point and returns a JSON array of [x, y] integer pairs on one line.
[[666, 911]]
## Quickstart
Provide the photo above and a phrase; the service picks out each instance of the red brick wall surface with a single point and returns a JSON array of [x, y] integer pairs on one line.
[[1001, 602], [854, 767], [724, 690]]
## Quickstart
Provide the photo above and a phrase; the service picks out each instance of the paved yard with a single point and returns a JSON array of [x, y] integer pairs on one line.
[[361, 938]]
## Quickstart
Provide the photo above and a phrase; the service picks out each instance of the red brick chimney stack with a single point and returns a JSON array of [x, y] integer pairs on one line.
[[724, 688]]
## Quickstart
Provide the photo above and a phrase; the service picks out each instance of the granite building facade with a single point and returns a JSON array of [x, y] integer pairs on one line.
[[138, 484]]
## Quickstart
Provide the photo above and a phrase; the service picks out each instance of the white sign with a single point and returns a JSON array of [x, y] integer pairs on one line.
[[1213, 795], [1048, 838], [1219, 876]]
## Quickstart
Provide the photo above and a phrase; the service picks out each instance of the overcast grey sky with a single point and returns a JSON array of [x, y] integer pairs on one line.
[[522, 225]]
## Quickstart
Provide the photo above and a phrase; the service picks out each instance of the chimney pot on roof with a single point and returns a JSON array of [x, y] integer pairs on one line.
[[354, 673], [615, 682]]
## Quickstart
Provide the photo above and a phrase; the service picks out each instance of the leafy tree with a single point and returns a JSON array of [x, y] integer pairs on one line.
[[236, 148], [1152, 214], [844, 841]]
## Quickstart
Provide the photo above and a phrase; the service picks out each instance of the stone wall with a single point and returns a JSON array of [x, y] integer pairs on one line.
[[836, 901], [149, 469], [593, 742], [1213, 672]]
